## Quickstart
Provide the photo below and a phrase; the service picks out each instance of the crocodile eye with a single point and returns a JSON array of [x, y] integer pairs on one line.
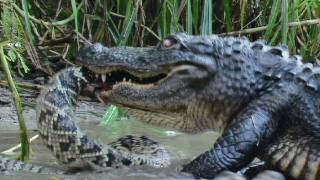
[[170, 42]]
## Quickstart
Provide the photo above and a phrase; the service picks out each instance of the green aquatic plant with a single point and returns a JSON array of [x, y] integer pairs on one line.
[[13, 31], [18, 103]]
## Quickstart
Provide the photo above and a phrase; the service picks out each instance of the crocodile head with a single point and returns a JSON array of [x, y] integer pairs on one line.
[[183, 77]]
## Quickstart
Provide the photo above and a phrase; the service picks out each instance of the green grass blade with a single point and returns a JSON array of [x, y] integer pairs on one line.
[[131, 17], [196, 15], [189, 17], [23, 128], [76, 23], [273, 20], [27, 20], [174, 16], [206, 23], [284, 21], [243, 12], [113, 30], [227, 4], [164, 20], [275, 38]]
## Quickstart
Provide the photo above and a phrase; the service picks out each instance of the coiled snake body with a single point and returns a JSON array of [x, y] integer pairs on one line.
[[73, 148]]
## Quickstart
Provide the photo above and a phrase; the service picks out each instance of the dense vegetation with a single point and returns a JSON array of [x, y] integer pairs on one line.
[[45, 35], [40, 32]]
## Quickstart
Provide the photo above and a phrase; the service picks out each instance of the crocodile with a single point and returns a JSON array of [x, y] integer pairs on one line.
[[76, 151], [263, 100]]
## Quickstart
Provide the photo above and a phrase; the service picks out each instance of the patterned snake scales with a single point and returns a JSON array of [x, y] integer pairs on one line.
[[74, 149]]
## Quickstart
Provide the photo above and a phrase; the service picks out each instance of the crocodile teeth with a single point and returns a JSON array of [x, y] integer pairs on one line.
[[97, 76], [103, 77], [124, 79], [130, 80]]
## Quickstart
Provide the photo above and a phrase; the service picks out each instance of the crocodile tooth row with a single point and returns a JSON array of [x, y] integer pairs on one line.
[[103, 77]]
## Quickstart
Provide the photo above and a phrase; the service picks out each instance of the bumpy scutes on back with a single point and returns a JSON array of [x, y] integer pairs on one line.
[[274, 62], [278, 61]]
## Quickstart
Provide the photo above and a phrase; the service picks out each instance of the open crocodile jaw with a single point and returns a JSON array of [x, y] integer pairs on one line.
[[101, 84]]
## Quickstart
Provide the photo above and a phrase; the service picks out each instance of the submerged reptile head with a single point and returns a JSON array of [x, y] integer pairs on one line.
[[192, 77]]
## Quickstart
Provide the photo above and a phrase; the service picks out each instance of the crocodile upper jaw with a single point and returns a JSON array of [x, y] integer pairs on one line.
[[107, 80]]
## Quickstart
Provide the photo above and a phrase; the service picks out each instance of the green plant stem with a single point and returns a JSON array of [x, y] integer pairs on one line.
[[141, 25], [24, 85], [23, 128], [26, 20], [75, 15], [56, 23], [263, 28]]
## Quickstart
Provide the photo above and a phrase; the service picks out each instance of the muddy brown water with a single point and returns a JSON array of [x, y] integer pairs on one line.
[[183, 147]]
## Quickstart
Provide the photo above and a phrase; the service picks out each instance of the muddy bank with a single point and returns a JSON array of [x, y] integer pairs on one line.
[[8, 115]]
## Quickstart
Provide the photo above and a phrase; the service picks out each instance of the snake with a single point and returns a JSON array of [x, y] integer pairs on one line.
[[72, 147]]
